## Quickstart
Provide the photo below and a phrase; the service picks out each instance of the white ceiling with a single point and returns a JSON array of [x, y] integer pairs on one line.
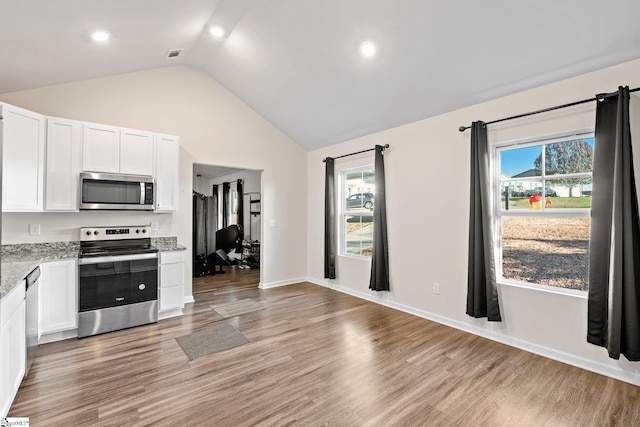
[[212, 172], [297, 62]]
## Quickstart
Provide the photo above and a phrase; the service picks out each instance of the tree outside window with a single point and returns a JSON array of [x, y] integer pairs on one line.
[[544, 215]]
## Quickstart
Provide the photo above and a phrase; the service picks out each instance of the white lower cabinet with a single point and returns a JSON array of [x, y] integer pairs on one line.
[[12, 346], [171, 284], [59, 306]]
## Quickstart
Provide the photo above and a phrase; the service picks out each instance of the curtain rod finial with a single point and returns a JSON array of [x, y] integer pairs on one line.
[[463, 128]]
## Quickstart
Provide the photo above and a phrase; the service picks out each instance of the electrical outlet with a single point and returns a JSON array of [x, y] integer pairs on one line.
[[436, 288], [154, 225], [34, 229]]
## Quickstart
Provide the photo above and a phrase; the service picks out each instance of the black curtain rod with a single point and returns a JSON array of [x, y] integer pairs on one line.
[[544, 110], [353, 154]]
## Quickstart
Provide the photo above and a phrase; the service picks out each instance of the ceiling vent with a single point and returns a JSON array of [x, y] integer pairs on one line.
[[174, 53]]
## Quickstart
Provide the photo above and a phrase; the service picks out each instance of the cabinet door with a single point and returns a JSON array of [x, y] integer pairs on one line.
[[23, 160], [58, 305], [100, 148], [167, 151], [63, 164], [136, 152], [171, 298], [12, 357], [171, 281]]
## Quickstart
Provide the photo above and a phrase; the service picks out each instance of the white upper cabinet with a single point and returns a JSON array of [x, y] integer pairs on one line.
[[111, 149], [23, 160], [100, 148], [167, 156], [136, 152], [63, 164]]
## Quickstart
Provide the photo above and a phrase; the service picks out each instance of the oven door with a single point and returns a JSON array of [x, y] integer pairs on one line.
[[114, 281]]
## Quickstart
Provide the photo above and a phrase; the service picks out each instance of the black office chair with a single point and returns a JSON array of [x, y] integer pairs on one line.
[[227, 239]]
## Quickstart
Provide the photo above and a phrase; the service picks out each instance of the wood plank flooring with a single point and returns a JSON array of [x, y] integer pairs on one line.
[[316, 357]]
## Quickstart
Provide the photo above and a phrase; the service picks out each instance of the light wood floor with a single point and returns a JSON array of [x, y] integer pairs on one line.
[[316, 357]]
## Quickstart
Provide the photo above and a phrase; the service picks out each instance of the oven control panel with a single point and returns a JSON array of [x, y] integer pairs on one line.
[[114, 233]]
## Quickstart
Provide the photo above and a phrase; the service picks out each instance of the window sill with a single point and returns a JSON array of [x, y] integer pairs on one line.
[[544, 288], [358, 257]]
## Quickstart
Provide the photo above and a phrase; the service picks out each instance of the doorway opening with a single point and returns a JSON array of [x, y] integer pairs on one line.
[[227, 225]]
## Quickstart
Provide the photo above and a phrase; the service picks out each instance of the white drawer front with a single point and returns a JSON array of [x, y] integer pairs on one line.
[[170, 257], [11, 302]]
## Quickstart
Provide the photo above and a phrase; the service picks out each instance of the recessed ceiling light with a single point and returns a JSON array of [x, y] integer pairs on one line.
[[368, 49], [217, 31], [100, 36]]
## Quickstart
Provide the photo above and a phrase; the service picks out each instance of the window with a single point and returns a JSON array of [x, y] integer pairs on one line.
[[357, 204], [544, 211]]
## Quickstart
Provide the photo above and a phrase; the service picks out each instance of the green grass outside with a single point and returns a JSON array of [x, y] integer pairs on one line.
[[556, 202]]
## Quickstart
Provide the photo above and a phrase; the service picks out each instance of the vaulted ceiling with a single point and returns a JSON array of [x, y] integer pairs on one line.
[[299, 63]]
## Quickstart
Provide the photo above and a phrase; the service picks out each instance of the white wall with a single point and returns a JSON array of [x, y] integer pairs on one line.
[[427, 172], [214, 127]]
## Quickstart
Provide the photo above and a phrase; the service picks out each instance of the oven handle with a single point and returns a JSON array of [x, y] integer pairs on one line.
[[116, 258]]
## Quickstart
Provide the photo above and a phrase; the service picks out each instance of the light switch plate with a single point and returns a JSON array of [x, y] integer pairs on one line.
[[34, 229]]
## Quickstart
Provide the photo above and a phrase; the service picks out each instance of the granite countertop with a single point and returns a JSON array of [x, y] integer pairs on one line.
[[167, 244], [20, 260]]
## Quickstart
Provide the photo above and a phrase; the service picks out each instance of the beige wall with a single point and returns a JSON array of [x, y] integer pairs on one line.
[[214, 127], [427, 169]]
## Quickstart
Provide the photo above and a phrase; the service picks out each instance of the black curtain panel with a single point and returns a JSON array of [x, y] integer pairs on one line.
[[199, 225], [614, 246], [210, 229], [226, 186], [239, 189], [379, 280], [216, 206], [482, 289], [329, 220]]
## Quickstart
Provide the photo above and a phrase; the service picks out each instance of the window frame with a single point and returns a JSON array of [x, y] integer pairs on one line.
[[496, 194], [343, 212]]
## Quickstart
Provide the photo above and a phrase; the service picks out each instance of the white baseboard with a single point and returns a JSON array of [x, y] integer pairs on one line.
[[570, 359], [58, 336], [188, 299], [281, 283], [170, 313]]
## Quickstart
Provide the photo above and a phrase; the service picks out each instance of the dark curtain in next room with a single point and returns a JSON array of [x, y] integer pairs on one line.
[[240, 220], [226, 186], [482, 289], [379, 280], [215, 204], [329, 220], [614, 247]]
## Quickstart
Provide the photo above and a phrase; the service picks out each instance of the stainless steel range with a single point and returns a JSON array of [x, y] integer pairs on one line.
[[118, 279]]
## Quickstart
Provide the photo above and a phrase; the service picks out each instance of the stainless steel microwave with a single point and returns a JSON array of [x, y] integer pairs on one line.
[[116, 192]]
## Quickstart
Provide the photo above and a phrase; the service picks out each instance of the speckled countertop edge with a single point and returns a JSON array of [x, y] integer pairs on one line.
[[16, 266], [20, 260]]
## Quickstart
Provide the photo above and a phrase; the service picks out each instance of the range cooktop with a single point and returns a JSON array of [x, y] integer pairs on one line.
[[112, 241]]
